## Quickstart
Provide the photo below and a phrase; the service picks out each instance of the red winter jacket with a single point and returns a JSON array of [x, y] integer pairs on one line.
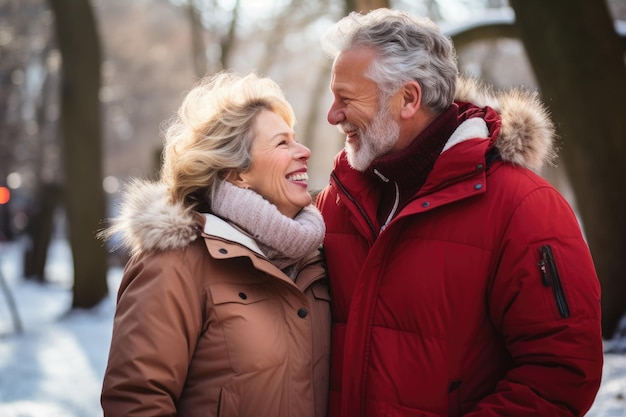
[[479, 298]]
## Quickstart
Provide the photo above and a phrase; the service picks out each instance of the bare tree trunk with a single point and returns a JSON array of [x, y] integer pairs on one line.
[[198, 52], [317, 95], [47, 195], [229, 40], [10, 300], [41, 226], [80, 127], [579, 64], [277, 36]]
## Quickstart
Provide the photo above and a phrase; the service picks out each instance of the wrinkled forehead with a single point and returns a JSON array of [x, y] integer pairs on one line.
[[352, 63]]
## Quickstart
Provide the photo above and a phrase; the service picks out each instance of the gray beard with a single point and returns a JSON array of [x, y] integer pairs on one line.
[[375, 140]]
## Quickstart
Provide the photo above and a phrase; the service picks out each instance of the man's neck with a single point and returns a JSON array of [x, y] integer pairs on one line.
[[413, 127]]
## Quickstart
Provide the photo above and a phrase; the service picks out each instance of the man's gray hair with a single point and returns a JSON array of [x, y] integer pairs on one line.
[[407, 49]]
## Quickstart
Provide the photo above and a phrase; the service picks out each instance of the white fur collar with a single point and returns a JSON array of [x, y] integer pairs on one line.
[[527, 134]]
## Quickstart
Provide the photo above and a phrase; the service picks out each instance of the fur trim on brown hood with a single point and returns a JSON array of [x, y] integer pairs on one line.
[[527, 135], [148, 221]]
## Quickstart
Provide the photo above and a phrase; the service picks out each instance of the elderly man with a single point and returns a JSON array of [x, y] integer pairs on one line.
[[461, 283]]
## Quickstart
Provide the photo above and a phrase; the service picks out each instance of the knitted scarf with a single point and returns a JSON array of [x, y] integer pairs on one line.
[[284, 240]]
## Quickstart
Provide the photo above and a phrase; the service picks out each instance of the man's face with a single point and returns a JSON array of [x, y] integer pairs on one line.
[[359, 111]]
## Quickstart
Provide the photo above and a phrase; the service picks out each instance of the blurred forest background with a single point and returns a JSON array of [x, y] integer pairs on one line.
[[85, 87]]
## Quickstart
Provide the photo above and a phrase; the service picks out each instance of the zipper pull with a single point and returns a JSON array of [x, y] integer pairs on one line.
[[543, 266], [551, 278]]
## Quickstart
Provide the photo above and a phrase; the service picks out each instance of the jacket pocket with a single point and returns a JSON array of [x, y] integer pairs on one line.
[[238, 293], [552, 280], [250, 320]]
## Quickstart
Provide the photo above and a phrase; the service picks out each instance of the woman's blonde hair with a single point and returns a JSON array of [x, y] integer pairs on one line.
[[211, 134]]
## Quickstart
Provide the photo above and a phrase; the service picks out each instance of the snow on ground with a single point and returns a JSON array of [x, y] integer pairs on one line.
[[54, 367]]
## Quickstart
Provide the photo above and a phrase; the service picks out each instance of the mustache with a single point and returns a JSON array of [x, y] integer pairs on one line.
[[346, 127]]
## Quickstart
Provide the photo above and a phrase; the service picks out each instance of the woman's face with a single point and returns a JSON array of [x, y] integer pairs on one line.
[[279, 165]]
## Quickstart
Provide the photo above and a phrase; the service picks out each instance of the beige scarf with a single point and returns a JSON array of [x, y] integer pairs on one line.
[[284, 240]]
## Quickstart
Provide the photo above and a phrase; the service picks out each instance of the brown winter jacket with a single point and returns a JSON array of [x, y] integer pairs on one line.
[[209, 327]]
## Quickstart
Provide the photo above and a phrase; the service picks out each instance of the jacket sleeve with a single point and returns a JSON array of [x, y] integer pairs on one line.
[[157, 322], [545, 302]]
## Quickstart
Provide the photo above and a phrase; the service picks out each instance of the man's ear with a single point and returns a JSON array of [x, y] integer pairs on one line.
[[411, 99]]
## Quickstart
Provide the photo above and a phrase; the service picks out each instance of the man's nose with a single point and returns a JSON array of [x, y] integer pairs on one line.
[[335, 113]]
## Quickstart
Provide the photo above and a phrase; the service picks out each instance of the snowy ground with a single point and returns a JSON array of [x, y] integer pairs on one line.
[[54, 367]]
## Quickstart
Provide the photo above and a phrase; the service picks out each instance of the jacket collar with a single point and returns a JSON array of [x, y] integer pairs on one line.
[[217, 227], [224, 241]]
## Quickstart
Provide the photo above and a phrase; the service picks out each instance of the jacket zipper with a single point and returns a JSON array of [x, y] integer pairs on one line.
[[369, 222], [347, 194], [396, 200], [550, 277], [392, 214]]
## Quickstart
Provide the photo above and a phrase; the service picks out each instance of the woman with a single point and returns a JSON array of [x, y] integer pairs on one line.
[[223, 309]]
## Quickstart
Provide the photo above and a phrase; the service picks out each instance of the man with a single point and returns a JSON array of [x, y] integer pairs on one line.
[[461, 282]]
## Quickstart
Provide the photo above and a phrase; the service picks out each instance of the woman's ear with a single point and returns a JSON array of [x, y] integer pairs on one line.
[[411, 99], [236, 178]]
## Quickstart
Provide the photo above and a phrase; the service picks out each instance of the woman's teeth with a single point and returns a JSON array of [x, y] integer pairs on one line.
[[300, 176]]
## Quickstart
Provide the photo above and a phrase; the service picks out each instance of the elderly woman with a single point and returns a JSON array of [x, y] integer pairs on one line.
[[223, 309]]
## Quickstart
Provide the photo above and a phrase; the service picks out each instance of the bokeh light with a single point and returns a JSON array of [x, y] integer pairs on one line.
[[5, 195]]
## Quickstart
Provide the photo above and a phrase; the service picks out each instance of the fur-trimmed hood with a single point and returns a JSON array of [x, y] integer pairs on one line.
[[527, 135], [148, 221]]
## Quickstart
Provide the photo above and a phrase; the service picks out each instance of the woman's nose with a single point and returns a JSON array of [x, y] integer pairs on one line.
[[302, 152]]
